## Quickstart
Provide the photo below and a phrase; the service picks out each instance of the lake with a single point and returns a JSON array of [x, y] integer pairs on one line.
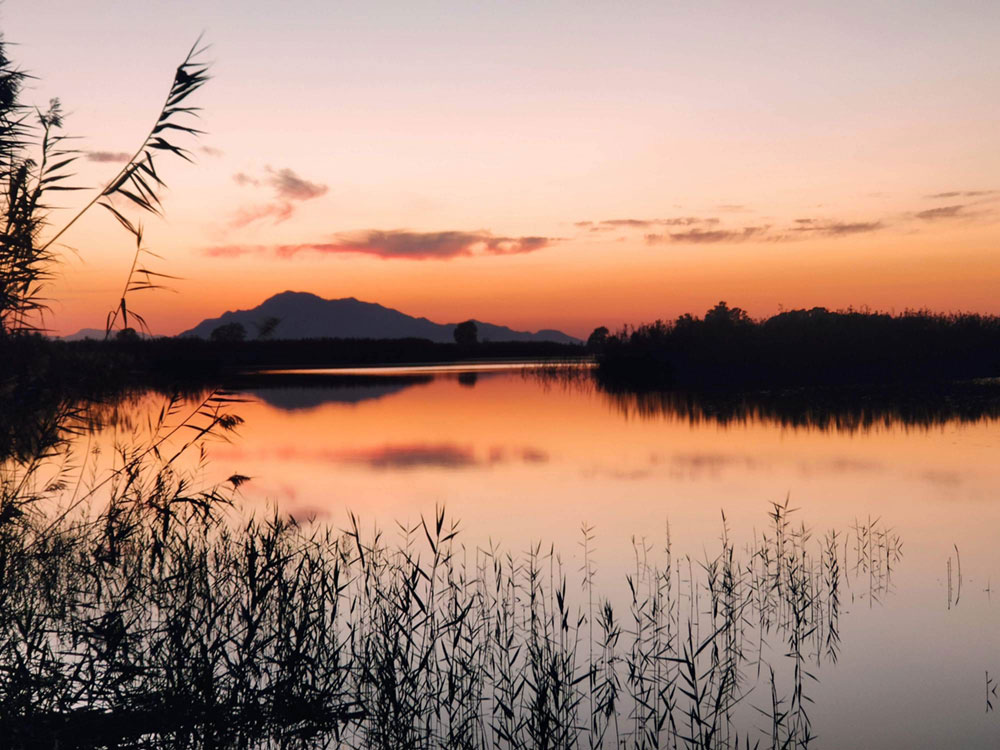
[[520, 455]]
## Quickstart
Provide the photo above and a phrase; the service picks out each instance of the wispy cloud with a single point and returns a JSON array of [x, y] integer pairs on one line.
[[800, 230], [962, 194], [398, 243], [608, 225], [421, 245], [836, 228], [709, 236], [232, 251], [103, 157], [289, 189], [972, 211], [290, 186], [211, 151], [279, 211], [942, 212]]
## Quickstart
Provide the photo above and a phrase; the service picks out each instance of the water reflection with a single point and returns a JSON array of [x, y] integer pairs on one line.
[[616, 612], [843, 409], [162, 626], [291, 391]]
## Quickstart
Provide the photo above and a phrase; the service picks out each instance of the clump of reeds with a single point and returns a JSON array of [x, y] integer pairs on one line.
[[136, 609], [143, 610], [35, 163]]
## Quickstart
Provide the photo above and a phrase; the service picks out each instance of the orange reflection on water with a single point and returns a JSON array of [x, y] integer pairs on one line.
[[519, 459]]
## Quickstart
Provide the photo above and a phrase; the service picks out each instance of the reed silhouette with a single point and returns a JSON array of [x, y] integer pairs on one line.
[[142, 611], [35, 163]]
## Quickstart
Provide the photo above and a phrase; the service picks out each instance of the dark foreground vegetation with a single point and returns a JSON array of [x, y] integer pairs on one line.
[[139, 611], [39, 375], [151, 360], [817, 346], [190, 358]]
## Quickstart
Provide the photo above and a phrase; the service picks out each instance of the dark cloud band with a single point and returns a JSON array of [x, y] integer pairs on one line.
[[396, 244]]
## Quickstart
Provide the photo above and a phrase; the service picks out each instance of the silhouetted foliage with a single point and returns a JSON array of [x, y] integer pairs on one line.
[[816, 346], [466, 334], [127, 335], [597, 339], [34, 166], [191, 359], [228, 332]]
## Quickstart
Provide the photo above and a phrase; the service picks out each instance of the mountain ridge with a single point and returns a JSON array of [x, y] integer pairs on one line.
[[304, 315]]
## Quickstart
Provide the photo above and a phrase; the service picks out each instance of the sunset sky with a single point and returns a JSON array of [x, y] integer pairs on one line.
[[538, 164]]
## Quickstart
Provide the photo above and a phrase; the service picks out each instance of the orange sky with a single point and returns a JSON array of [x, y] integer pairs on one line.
[[539, 166]]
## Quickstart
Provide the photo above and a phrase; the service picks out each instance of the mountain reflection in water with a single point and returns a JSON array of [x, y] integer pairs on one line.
[[841, 408], [871, 603]]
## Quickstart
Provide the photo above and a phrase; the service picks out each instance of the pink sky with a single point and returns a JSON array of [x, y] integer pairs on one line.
[[539, 165]]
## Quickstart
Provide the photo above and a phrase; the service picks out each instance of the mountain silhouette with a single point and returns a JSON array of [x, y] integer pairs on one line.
[[86, 333], [305, 316]]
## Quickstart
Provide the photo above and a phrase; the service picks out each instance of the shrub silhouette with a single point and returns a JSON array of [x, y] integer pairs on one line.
[[597, 339], [228, 332], [466, 334]]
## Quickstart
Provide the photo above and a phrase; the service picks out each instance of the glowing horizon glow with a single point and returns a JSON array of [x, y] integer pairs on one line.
[[546, 166]]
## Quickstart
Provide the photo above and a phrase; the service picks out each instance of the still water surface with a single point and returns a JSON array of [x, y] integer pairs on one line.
[[520, 457]]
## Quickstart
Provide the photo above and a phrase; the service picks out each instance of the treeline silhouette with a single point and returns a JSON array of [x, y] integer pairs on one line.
[[41, 379], [816, 346], [194, 358]]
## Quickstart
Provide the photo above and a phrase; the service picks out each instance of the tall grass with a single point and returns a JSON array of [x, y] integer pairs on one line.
[[35, 164], [140, 611]]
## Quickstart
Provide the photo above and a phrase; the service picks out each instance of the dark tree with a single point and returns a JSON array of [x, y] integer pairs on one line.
[[466, 334], [723, 315], [228, 332], [597, 339], [127, 334]]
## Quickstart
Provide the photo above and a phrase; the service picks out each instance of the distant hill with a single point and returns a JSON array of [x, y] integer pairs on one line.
[[99, 334], [85, 333], [306, 316]]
